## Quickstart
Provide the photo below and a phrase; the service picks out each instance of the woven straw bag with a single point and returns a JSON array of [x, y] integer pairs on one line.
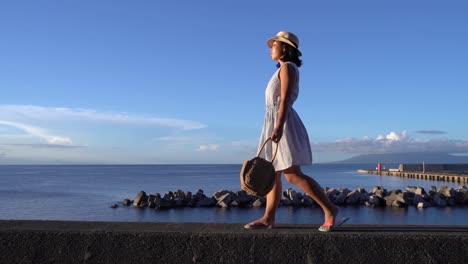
[[257, 175]]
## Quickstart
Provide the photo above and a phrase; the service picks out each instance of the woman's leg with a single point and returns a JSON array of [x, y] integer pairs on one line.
[[295, 176], [272, 202]]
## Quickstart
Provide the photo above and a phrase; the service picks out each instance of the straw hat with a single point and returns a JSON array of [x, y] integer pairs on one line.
[[286, 37]]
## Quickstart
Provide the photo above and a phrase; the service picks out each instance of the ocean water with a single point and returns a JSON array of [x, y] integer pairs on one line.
[[86, 192]]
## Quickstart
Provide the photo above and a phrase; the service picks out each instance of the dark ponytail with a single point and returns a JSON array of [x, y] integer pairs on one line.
[[290, 54]]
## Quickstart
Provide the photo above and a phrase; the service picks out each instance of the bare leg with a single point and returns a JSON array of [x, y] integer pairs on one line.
[[295, 176], [272, 202]]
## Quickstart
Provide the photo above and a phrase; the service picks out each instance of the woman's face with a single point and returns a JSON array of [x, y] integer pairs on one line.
[[276, 51]]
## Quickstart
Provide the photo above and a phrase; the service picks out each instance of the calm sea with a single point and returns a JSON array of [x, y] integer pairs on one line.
[[86, 192]]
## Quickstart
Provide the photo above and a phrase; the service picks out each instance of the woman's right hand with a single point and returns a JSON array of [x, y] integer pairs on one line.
[[277, 134]]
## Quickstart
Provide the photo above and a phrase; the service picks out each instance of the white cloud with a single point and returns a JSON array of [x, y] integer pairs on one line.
[[392, 143], [14, 112], [38, 132], [393, 136], [208, 147]]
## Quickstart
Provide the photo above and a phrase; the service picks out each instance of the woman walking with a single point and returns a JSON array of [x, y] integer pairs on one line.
[[284, 127]]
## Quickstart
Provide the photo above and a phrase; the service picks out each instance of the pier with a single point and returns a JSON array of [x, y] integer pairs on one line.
[[456, 173]]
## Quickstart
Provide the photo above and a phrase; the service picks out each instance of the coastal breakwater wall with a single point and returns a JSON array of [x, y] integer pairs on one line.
[[377, 197], [117, 242]]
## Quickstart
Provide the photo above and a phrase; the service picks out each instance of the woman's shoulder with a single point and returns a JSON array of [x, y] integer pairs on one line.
[[289, 68], [289, 64]]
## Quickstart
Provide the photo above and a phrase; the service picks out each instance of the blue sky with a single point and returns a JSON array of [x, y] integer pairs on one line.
[[183, 81]]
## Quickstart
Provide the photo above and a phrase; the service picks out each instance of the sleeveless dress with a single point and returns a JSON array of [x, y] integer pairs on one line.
[[294, 146]]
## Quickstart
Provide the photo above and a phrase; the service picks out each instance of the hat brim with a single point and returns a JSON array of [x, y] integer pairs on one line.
[[285, 40]]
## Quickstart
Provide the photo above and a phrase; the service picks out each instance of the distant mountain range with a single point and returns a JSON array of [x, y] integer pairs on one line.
[[426, 157]]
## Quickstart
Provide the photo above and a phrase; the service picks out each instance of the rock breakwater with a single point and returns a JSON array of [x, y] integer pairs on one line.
[[377, 197]]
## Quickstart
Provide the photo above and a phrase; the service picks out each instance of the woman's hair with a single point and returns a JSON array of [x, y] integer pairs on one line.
[[290, 54]]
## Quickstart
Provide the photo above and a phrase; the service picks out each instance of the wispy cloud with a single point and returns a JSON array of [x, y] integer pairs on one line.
[[208, 147], [57, 146], [393, 142], [431, 132], [38, 132], [10, 112]]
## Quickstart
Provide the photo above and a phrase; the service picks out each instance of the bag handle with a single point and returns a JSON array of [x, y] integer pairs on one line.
[[276, 150]]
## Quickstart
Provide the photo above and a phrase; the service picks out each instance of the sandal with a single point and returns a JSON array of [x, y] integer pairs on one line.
[[257, 225], [329, 226]]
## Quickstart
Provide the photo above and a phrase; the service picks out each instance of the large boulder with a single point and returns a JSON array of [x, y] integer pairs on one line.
[[340, 198], [180, 198], [200, 195], [243, 198], [192, 202], [294, 196], [411, 189], [179, 202], [432, 191], [379, 191], [420, 191], [331, 193], [206, 202], [141, 199], [307, 200], [218, 194], [164, 203], [417, 199], [409, 197], [225, 200], [194, 199], [364, 195], [439, 200], [354, 197], [375, 200], [260, 202], [169, 195], [461, 196], [395, 198], [447, 191], [151, 200]]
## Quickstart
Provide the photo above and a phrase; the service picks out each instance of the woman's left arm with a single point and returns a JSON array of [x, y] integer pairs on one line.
[[287, 75]]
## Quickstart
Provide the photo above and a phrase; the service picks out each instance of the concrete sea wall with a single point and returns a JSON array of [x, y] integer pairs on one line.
[[116, 242]]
